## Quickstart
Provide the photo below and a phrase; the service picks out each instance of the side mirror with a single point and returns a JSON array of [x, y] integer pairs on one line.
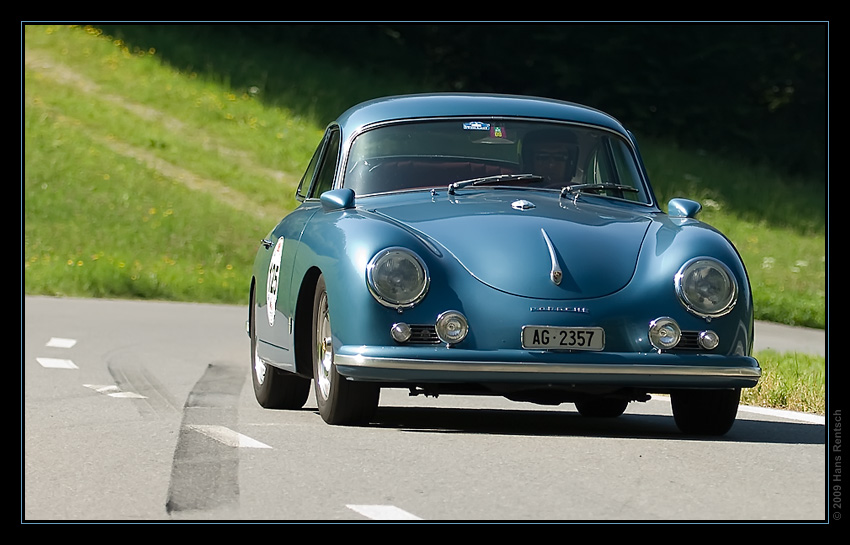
[[337, 199], [683, 208]]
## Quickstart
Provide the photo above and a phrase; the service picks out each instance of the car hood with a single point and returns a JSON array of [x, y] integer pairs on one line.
[[517, 241]]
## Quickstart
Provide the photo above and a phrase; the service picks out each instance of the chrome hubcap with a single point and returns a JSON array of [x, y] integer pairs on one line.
[[324, 348], [259, 368]]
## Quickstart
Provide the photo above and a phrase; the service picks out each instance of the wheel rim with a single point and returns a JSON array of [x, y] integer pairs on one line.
[[259, 366], [324, 347]]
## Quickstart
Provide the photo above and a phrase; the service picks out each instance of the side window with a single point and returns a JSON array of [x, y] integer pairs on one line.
[[599, 169], [611, 163], [307, 179], [327, 170]]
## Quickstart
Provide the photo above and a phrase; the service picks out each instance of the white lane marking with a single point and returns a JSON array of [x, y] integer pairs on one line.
[[779, 413], [59, 342], [112, 391], [54, 363], [802, 417], [228, 436], [383, 512]]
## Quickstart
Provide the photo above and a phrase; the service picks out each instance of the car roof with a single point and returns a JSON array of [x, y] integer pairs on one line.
[[426, 105]]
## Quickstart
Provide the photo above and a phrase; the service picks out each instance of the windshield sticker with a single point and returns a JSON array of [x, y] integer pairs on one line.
[[476, 126], [496, 134]]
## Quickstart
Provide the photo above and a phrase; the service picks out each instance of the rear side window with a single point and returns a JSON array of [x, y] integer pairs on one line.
[[307, 178], [327, 169]]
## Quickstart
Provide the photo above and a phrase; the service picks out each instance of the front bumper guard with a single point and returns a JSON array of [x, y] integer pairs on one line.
[[663, 371]]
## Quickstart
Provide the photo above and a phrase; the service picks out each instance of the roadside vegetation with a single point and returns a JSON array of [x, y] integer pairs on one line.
[[144, 179], [790, 381]]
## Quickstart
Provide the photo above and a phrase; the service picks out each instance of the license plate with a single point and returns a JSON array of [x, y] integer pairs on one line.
[[563, 338]]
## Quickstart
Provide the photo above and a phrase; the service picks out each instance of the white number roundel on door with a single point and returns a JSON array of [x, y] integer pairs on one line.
[[273, 280]]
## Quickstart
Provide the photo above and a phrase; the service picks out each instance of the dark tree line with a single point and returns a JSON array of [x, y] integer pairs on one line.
[[754, 90], [758, 91]]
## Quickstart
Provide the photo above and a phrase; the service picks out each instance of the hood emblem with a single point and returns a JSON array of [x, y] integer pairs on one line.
[[555, 275], [522, 204]]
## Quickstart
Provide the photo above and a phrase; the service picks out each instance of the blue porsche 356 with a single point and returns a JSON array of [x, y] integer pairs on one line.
[[495, 245]]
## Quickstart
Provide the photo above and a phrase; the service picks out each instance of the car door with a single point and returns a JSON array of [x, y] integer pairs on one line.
[[278, 291]]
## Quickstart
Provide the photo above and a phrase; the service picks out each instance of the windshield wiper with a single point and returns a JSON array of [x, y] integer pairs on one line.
[[579, 188], [494, 180]]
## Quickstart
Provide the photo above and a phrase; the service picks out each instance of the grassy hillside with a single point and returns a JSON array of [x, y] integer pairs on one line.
[[154, 180], [147, 177]]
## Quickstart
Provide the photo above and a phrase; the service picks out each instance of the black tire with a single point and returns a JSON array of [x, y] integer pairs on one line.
[[600, 407], [340, 401], [274, 388], [705, 412]]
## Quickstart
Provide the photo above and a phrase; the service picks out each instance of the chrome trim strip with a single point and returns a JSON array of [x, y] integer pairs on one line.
[[559, 368], [556, 274]]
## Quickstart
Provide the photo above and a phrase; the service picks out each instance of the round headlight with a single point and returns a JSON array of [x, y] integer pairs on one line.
[[706, 287], [397, 278]]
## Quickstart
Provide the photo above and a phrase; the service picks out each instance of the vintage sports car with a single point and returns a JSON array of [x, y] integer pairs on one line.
[[495, 245]]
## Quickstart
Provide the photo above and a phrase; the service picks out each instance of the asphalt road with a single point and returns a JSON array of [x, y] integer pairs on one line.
[[143, 411], [785, 338]]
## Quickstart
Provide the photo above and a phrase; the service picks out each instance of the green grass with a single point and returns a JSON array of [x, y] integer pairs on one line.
[[145, 179], [790, 381], [141, 181], [777, 223]]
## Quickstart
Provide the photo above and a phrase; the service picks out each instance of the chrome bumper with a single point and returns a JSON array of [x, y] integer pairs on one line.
[[745, 374]]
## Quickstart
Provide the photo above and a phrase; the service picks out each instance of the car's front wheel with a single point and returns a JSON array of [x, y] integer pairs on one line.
[[273, 388], [705, 412], [340, 401]]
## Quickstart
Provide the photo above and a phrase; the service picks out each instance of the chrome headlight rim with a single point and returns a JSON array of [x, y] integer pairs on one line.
[[385, 299], [731, 298]]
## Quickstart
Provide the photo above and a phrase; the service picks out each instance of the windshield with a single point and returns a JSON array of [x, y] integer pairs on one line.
[[429, 154]]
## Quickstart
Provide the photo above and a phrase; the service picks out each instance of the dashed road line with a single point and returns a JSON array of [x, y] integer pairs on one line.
[[56, 363], [227, 436], [113, 391], [383, 512], [59, 342]]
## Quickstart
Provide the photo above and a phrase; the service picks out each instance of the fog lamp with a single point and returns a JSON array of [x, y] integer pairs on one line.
[[664, 333], [452, 327], [709, 340], [400, 332]]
